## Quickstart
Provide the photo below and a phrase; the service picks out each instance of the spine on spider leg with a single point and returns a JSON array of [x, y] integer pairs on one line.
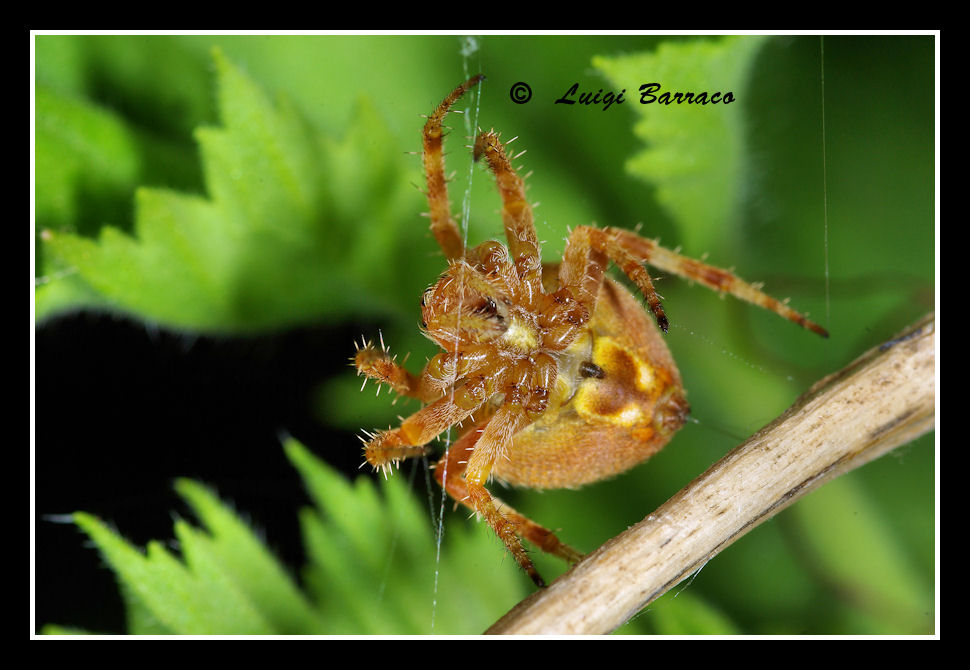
[[386, 448], [442, 224], [379, 365]]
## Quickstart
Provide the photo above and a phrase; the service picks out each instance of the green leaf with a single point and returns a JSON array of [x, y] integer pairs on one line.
[[373, 567], [275, 241], [226, 582], [87, 161], [694, 152], [231, 548], [195, 597]]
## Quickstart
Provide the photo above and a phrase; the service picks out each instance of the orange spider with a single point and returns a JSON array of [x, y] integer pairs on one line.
[[559, 372]]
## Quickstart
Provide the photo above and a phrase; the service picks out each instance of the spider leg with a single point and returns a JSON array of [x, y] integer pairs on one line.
[[443, 226], [588, 250], [378, 364], [516, 214], [648, 251], [462, 472], [386, 448]]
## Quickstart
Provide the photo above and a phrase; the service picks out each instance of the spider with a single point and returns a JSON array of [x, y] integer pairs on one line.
[[554, 371]]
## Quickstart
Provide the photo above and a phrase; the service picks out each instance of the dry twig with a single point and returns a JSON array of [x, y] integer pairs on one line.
[[883, 399]]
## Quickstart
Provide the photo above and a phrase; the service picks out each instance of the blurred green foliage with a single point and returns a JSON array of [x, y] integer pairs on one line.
[[362, 548], [286, 197]]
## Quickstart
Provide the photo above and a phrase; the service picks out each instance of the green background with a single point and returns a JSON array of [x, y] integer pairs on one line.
[[843, 224]]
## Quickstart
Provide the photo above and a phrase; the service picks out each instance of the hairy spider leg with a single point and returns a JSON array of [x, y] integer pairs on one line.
[[651, 253], [506, 522], [465, 397], [378, 364], [408, 440], [588, 251], [443, 225], [516, 214], [440, 374]]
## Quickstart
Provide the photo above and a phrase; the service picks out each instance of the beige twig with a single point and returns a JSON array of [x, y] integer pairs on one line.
[[885, 398]]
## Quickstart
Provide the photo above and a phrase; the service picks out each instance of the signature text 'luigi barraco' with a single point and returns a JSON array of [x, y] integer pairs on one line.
[[648, 95]]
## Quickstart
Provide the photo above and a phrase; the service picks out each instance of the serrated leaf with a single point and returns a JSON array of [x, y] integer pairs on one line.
[[182, 599], [373, 567], [694, 152], [237, 553], [277, 241], [226, 582]]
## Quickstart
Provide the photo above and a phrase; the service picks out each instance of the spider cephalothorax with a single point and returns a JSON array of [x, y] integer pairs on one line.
[[554, 371]]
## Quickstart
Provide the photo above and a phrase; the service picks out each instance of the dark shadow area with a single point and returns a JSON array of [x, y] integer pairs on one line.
[[122, 411]]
